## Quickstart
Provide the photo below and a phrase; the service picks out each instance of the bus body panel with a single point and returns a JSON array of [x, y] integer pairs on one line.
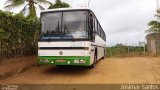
[[100, 45], [68, 48], [52, 51]]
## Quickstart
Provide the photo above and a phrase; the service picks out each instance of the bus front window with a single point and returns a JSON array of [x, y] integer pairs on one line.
[[75, 24], [51, 25], [64, 25]]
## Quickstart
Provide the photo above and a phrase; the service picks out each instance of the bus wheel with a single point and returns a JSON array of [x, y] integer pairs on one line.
[[95, 57], [92, 66], [104, 54]]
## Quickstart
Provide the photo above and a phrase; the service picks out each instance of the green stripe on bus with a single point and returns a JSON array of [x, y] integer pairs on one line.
[[66, 58]]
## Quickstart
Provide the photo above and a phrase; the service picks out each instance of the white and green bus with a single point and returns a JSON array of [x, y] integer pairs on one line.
[[70, 36]]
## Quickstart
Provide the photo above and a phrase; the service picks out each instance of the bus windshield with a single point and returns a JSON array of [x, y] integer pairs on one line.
[[64, 25]]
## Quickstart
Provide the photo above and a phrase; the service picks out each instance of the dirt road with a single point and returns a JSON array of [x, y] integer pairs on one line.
[[108, 71]]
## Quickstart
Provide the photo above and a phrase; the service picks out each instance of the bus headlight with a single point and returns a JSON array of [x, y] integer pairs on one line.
[[44, 60], [76, 61], [79, 61], [40, 60], [82, 61]]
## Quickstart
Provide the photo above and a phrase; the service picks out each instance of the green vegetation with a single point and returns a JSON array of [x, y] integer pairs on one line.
[[154, 27], [59, 4], [18, 35], [121, 50], [28, 5]]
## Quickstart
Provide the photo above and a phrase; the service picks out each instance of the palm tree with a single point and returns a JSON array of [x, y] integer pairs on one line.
[[28, 5], [59, 4], [154, 27]]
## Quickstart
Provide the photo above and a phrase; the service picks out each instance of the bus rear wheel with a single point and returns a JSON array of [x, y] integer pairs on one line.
[[104, 54]]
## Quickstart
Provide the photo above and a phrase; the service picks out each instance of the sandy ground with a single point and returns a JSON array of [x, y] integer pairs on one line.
[[12, 65], [132, 70]]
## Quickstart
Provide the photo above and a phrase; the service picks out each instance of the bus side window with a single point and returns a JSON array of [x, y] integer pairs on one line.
[[99, 30], [96, 27], [101, 33], [93, 23], [91, 26]]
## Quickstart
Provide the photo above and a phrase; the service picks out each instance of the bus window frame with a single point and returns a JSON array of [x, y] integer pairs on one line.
[[88, 39], [91, 26], [47, 40]]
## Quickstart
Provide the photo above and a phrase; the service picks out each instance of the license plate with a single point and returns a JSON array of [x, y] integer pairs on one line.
[[61, 60]]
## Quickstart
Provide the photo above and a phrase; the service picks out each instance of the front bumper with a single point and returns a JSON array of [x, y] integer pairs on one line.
[[65, 60]]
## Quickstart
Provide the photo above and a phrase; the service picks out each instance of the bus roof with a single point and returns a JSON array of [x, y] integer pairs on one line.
[[64, 9]]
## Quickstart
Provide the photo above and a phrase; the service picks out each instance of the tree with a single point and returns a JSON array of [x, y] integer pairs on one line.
[[3, 38], [28, 5], [17, 34], [154, 27], [59, 4]]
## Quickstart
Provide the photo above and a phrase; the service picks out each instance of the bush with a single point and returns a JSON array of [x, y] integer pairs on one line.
[[121, 50], [17, 32]]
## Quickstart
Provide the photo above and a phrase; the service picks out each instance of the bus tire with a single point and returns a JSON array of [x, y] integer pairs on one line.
[[104, 54], [92, 66]]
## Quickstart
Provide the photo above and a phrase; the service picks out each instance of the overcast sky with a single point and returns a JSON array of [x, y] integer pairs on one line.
[[124, 21]]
